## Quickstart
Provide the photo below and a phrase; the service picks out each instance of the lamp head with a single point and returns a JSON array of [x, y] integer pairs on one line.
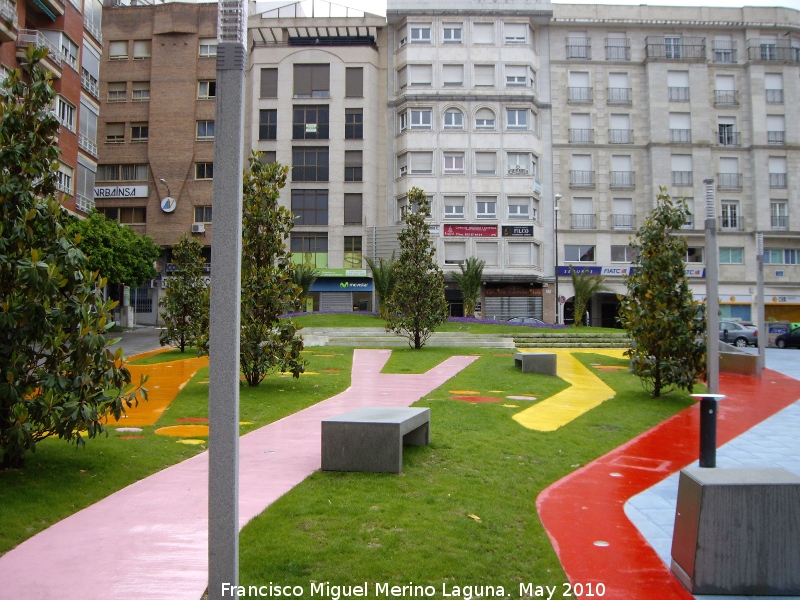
[[557, 197]]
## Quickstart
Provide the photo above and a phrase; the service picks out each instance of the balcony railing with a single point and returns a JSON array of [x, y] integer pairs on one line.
[[777, 180], [776, 138], [619, 95], [583, 221], [678, 94], [87, 144], [772, 50], [618, 49], [581, 136], [682, 178], [620, 136], [779, 222], [518, 170], [775, 96], [83, 203], [622, 221], [623, 180], [32, 37], [730, 223], [580, 95], [729, 181], [724, 51], [726, 137], [90, 27], [579, 48], [684, 48], [581, 179], [90, 84], [680, 135], [726, 97], [8, 12]]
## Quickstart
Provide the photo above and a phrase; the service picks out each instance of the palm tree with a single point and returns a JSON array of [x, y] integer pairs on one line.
[[585, 286], [383, 278], [469, 280], [304, 277]]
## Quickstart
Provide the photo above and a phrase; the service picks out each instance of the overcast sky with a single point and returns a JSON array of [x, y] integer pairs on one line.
[[378, 7]]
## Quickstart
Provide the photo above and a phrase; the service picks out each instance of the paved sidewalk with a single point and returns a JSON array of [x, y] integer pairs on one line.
[[149, 540], [135, 341]]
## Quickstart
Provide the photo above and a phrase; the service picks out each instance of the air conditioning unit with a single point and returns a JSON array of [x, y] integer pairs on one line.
[[198, 227]]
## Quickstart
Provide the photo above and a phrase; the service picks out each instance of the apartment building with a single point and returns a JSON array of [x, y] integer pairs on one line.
[[71, 31], [645, 97]]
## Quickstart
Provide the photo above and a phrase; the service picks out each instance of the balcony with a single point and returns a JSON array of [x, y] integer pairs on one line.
[[581, 136], [83, 203], [620, 136], [8, 21], [682, 178], [518, 170], [618, 49], [623, 180], [32, 37], [776, 138], [621, 221], [726, 98], [770, 50], [583, 221], [579, 48], [681, 136], [675, 48], [90, 84], [724, 51], [777, 181], [581, 179], [729, 181], [91, 28], [619, 96], [51, 8], [728, 137], [775, 96], [579, 95], [678, 94], [89, 145], [779, 222]]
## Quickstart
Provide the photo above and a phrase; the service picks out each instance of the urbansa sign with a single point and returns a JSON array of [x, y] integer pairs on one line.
[[120, 191]]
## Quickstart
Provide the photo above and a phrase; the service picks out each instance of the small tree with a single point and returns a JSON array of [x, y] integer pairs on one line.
[[659, 312], [186, 303], [469, 280], [383, 278], [304, 277], [417, 304], [585, 286], [268, 291], [57, 375]]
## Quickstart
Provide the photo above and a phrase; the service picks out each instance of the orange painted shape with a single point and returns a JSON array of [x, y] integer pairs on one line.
[[183, 430], [192, 420], [475, 398]]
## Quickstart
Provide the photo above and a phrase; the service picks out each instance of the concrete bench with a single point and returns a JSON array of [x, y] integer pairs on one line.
[[543, 363], [372, 438]]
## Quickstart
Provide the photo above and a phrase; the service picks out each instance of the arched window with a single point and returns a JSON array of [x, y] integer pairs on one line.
[[484, 119], [453, 119]]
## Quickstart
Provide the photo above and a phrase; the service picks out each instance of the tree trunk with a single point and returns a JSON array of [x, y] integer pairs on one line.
[[417, 340]]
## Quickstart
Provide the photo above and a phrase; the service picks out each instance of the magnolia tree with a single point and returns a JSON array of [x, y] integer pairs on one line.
[[417, 304]]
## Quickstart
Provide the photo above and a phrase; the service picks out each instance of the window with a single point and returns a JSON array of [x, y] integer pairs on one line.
[[579, 45], [312, 81], [624, 254], [354, 123], [204, 170], [618, 46], [208, 47], [619, 91], [523, 254], [582, 174], [726, 127], [455, 253], [785, 256], [483, 33], [134, 215], [420, 34], [140, 132], [65, 113], [694, 254], [484, 75], [140, 91], [268, 124], [731, 256], [142, 49], [421, 118], [84, 195], [486, 163], [202, 214], [453, 119], [269, 157], [622, 213], [582, 213], [269, 83], [309, 163], [402, 121], [672, 46], [451, 33], [680, 127], [619, 130], [730, 215], [402, 37], [484, 119], [453, 207], [516, 76], [402, 165], [453, 75], [678, 86], [121, 172], [519, 163], [310, 207], [65, 176], [352, 209], [729, 176], [205, 130], [87, 128], [517, 118], [725, 90], [519, 208], [402, 78], [69, 51], [777, 172], [117, 91], [310, 249], [581, 128], [773, 84], [310, 122], [118, 50], [352, 252], [776, 130], [516, 33], [779, 215], [485, 207], [580, 90], [578, 253], [487, 252], [682, 170], [454, 163], [353, 165], [420, 163], [724, 48], [420, 75], [354, 82], [206, 90]]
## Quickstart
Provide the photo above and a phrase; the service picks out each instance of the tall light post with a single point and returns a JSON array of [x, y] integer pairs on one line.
[[556, 208], [712, 289]]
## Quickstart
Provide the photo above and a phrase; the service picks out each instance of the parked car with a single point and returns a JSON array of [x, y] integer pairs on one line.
[[737, 334], [525, 320], [789, 340]]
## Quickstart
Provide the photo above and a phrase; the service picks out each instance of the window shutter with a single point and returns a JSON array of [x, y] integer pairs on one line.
[[269, 83], [302, 81], [519, 254], [582, 206], [421, 162], [483, 33], [484, 74], [352, 209], [486, 163], [681, 162], [453, 75], [118, 49], [726, 83], [775, 123], [680, 121], [455, 252], [622, 206], [678, 78], [620, 122], [579, 79], [402, 78], [728, 165], [621, 163], [581, 162], [777, 164], [581, 121], [487, 252], [618, 80], [773, 81], [516, 31], [354, 82], [320, 79], [420, 75], [353, 158]]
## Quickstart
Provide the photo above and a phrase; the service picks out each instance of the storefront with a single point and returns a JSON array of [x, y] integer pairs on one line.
[[341, 290], [504, 301]]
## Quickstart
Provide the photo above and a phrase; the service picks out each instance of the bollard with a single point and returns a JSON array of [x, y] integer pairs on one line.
[[708, 429]]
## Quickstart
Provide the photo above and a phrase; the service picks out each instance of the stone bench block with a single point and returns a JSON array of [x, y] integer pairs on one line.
[[543, 363]]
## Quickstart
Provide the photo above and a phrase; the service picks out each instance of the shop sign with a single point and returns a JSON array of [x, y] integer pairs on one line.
[[470, 230], [341, 272], [513, 291], [120, 191], [517, 230], [564, 271], [336, 284], [433, 230], [786, 299]]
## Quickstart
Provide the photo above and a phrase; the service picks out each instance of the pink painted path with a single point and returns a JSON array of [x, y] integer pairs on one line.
[[149, 540]]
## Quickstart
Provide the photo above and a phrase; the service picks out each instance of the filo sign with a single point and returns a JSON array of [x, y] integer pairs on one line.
[[120, 191], [517, 230]]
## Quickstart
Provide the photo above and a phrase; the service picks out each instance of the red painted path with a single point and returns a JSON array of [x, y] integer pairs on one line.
[[587, 506]]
